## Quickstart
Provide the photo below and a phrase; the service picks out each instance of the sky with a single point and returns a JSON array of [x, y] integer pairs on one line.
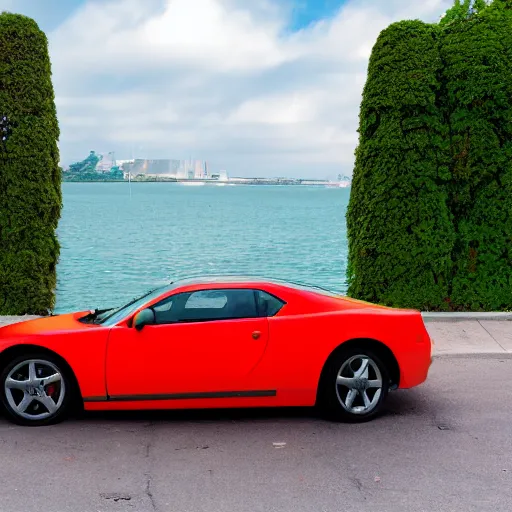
[[255, 87]]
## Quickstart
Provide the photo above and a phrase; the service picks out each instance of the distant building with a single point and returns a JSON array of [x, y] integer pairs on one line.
[[125, 162], [312, 182], [198, 170], [106, 162], [164, 167], [221, 176]]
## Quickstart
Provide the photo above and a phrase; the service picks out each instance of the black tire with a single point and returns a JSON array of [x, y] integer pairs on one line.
[[331, 395], [63, 397]]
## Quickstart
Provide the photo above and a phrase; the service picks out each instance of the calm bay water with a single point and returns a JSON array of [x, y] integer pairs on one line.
[[115, 246]]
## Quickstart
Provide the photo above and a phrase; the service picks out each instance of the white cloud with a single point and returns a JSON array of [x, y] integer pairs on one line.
[[6, 5], [219, 79]]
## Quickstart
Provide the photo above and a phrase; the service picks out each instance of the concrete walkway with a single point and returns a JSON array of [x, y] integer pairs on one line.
[[454, 334], [464, 335], [6, 320]]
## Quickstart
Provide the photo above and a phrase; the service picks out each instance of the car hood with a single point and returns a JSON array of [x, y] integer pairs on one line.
[[45, 325]]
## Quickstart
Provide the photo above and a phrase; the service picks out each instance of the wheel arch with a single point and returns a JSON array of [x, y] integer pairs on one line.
[[381, 349], [14, 351]]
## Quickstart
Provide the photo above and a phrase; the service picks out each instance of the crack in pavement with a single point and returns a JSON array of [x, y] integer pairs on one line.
[[497, 342], [149, 493], [149, 476], [357, 483], [116, 496]]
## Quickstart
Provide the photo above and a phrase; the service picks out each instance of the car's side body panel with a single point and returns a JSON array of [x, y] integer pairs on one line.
[[184, 358], [297, 350]]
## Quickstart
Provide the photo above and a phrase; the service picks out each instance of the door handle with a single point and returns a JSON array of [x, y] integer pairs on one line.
[[256, 335]]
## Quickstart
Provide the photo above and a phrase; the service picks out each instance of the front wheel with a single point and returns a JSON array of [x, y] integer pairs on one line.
[[354, 385], [35, 390]]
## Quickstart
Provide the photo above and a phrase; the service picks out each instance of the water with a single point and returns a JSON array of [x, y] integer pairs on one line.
[[115, 247]]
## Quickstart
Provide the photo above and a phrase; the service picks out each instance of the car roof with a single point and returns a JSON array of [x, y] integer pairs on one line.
[[241, 279], [225, 278]]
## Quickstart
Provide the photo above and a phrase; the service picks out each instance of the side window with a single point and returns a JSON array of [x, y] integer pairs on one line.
[[242, 303], [206, 299], [207, 305], [165, 311], [268, 305]]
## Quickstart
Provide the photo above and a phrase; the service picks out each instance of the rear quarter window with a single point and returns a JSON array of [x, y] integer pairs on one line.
[[268, 305]]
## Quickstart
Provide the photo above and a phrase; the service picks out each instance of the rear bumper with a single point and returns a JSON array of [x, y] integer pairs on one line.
[[415, 364]]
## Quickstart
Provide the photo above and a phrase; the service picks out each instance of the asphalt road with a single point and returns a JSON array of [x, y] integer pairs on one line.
[[445, 446]]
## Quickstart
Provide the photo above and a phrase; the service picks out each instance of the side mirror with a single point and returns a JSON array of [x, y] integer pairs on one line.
[[144, 317]]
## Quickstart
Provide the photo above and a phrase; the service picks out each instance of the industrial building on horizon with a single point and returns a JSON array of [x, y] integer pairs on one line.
[[193, 172], [179, 169]]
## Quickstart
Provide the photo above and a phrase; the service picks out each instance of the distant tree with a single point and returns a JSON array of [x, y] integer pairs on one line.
[[30, 177], [88, 165], [116, 173]]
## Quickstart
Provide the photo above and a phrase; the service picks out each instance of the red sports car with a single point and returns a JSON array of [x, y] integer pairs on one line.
[[214, 343]]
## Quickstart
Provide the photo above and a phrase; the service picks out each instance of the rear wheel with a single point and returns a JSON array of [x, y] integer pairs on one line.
[[354, 385], [36, 389]]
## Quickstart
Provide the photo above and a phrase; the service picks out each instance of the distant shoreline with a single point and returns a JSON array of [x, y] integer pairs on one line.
[[214, 184]]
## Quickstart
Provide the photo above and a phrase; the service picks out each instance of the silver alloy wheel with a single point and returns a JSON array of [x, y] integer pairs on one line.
[[35, 389], [359, 385]]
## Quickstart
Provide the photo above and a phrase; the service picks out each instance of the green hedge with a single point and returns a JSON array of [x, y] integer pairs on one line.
[[430, 215], [399, 226], [30, 194], [478, 75]]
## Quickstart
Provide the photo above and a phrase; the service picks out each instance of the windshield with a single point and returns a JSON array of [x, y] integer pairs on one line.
[[113, 316]]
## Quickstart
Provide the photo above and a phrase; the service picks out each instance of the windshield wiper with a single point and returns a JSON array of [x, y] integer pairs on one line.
[[98, 316], [92, 318]]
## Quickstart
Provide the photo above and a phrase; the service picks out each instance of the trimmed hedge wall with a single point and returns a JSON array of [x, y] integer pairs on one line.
[[30, 195], [430, 213], [399, 226], [478, 75]]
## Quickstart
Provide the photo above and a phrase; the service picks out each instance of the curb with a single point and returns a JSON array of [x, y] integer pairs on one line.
[[473, 355], [465, 317]]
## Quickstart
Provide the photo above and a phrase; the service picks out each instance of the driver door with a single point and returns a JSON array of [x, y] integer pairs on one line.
[[204, 343]]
